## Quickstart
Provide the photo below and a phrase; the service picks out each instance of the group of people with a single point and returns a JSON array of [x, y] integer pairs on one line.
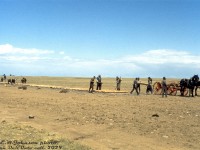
[[136, 85], [11, 79], [99, 83]]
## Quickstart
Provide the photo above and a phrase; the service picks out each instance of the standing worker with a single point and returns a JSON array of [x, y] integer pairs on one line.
[[4, 77], [164, 87], [149, 86], [118, 81], [99, 83], [91, 88]]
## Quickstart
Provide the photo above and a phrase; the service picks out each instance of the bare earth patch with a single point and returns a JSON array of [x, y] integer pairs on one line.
[[101, 120]]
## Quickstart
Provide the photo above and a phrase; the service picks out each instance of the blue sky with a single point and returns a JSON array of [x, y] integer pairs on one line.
[[128, 38]]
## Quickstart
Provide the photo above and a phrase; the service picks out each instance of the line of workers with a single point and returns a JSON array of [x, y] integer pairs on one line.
[[136, 85]]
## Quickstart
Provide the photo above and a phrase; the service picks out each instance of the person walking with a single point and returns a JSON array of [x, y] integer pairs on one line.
[[135, 86], [164, 87]]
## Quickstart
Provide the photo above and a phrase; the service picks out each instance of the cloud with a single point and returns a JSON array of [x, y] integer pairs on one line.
[[9, 49], [13, 54], [20, 58], [154, 63], [164, 56], [62, 53]]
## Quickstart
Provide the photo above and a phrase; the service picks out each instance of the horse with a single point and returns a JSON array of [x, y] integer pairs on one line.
[[196, 83], [190, 84], [183, 85]]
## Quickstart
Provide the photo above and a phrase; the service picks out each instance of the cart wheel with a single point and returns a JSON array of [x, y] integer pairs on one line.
[[171, 89], [157, 88]]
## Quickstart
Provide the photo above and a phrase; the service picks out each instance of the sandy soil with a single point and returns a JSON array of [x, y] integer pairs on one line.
[[107, 121]]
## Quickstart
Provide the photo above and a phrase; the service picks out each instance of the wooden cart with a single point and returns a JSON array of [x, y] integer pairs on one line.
[[172, 89]]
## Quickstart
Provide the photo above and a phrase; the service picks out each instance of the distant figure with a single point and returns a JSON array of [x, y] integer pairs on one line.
[[4, 77], [149, 86], [1, 79], [164, 87], [11, 81], [91, 88], [118, 81], [136, 86], [23, 80], [99, 83]]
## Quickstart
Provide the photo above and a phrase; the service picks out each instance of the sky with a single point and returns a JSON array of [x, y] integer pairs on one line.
[[83, 38]]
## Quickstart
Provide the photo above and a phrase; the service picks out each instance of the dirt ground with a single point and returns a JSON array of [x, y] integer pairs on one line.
[[106, 121]]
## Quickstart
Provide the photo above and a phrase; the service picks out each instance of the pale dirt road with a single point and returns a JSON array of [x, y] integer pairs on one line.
[[106, 121]]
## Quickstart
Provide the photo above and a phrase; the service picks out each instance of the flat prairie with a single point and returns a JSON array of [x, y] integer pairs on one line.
[[107, 120]]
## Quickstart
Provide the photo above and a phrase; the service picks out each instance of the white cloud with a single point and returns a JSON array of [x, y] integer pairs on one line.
[[9, 49], [163, 57], [11, 53], [61, 53], [153, 63], [20, 58]]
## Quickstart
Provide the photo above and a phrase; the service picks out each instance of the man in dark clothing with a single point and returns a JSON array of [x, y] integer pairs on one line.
[[135, 86], [23, 80], [149, 86], [91, 88], [99, 83], [164, 87], [4, 77], [118, 81]]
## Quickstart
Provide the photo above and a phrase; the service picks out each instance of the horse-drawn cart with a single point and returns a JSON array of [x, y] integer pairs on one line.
[[172, 88]]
